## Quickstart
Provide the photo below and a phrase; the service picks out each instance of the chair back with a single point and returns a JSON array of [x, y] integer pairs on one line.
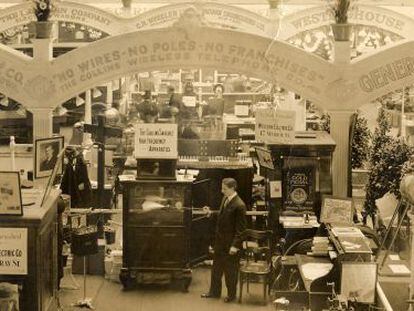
[[257, 245]]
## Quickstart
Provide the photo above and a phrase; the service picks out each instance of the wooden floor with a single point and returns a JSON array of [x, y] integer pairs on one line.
[[109, 296]]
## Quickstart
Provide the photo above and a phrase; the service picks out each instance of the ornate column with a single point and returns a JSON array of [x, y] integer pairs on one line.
[[42, 49], [340, 123], [342, 52], [109, 95], [42, 122], [87, 137]]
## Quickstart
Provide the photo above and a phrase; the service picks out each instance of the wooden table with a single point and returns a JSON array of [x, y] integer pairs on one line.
[[39, 286]]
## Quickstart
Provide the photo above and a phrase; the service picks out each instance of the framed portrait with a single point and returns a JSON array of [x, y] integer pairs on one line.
[[46, 154], [51, 181], [10, 194], [336, 210], [265, 159], [10, 296]]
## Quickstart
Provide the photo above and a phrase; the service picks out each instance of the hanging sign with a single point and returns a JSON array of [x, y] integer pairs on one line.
[[275, 127], [13, 251], [156, 141]]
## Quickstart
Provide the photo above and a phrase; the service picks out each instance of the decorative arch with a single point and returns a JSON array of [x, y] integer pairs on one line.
[[46, 84], [215, 14], [200, 47], [22, 14], [384, 72], [362, 14]]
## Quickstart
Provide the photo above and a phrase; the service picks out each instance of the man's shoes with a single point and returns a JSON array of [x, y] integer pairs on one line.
[[229, 299], [209, 295]]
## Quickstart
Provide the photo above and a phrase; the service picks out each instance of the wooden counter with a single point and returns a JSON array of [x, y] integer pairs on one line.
[[39, 286]]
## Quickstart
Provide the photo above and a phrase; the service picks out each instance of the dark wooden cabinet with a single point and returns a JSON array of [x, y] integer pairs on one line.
[[304, 168], [38, 289], [160, 231]]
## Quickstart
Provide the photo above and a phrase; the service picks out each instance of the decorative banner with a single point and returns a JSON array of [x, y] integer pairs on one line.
[[275, 127], [13, 251], [299, 185], [156, 141]]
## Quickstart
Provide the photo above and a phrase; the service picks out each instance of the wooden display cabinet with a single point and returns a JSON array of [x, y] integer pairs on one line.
[[38, 289], [160, 232], [304, 167]]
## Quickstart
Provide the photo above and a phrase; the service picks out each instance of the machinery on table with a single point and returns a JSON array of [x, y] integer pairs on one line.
[[215, 160]]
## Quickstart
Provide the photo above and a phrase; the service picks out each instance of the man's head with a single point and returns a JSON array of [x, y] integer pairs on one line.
[[49, 151], [170, 90], [228, 186], [218, 90]]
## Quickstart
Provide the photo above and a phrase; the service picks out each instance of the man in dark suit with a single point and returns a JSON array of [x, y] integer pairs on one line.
[[231, 223], [50, 158]]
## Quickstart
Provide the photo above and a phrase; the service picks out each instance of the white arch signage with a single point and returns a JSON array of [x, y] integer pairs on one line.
[[360, 14], [47, 84], [214, 14]]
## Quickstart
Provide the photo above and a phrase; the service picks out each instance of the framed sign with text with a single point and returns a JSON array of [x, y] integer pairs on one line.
[[298, 185], [13, 255], [156, 141]]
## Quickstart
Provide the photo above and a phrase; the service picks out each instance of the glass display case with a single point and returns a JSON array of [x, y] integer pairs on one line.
[[160, 232]]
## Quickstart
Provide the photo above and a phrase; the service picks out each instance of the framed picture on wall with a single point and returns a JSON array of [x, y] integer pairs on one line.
[[46, 155], [336, 210], [264, 157], [10, 194]]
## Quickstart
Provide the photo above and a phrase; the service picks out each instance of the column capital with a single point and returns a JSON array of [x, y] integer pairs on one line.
[[43, 49], [41, 109], [341, 52], [341, 113]]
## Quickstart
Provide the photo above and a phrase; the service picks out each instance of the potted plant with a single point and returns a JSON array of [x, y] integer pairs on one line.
[[42, 10], [341, 29]]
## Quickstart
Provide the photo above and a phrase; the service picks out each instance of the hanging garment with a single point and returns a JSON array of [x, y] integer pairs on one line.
[[69, 184], [82, 182]]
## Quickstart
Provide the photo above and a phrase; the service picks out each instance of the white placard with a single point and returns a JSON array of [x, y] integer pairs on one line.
[[13, 251], [156, 141], [275, 127], [189, 101], [241, 110], [275, 189]]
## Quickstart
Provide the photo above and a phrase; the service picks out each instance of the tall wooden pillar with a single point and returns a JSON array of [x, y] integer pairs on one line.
[[87, 137], [340, 123], [42, 116], [42, 122]]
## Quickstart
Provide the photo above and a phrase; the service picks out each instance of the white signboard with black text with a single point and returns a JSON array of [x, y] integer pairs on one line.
[[13, 251], [156, 141], [275, 126]]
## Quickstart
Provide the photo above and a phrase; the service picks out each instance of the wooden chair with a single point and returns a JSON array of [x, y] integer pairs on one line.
[[255, 263]]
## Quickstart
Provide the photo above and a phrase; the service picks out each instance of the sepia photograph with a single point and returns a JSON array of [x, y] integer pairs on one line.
[[46, 155]]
